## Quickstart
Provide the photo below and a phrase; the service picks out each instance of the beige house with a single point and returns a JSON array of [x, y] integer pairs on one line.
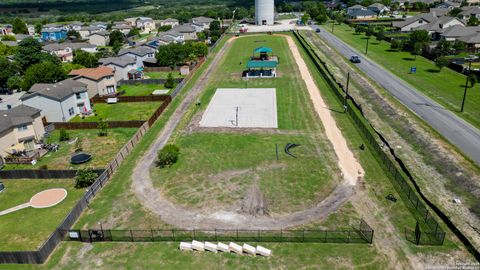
[[169, 21], [100, 81], [100, 38], [20, 129]]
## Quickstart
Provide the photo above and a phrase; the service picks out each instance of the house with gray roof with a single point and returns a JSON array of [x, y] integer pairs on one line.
[[449, 5], [122, 66], [361, 14], [409, 24], [378, 8], [86, 31], [64, 51], [188, 31], [100, 38], [20, 129], [468, 12], [202, 22], [438, 26], [59, 102], [171, 22], [140, 54]]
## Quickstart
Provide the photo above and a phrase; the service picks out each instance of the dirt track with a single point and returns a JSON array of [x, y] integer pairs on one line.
[[188, 218]]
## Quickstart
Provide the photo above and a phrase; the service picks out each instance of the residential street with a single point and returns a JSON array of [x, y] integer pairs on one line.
[[456, 130]]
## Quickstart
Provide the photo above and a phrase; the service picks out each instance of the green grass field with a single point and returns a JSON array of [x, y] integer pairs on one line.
[[28, 228], [288, 184], [140, 89], [445, 87], [103, 149], [123, 111]]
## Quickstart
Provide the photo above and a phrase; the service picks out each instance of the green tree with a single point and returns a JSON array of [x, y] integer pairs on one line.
[[19, 26], [115, 37], [85, 59], [444, 47], [9, 38], [215, 26], [85, 178], [459, 45], [419, 36], [164, 28], [64, 135], [305, 18], [441, 62], [321, 18], [68, 67], [102, 128], [38, 28], [169, 82], [473, 21], [133, 32], [416, 50], [380, 35], [455, 11], [117, 46], [8, 69], [45, 72], [15, 82], [74, 34], [28, 52], [472, 79], [168, 155], [395, 44]]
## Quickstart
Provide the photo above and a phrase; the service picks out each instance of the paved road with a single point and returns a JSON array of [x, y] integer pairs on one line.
[[456, 130]]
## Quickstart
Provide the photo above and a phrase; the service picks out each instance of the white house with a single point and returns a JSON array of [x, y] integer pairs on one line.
[[58, 102], [122, 66], [64, 51], [203, 22], [100, 38], [140, 54], [378, 8], [171, 22], [188, 31], [86, 31], [124, 28], [145, 24], [409, 24]]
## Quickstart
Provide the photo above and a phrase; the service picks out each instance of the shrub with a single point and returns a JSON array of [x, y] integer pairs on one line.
[[168, 155], [64, 135], [43, 167], [78, 145], [170, 83], [103, 128], [85, 178]]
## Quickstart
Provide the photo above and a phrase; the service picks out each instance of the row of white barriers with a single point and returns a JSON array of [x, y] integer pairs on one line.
[[231, 247]]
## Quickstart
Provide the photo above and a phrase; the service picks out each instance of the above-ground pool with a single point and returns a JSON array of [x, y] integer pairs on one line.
[[2, 186], [79, 158]]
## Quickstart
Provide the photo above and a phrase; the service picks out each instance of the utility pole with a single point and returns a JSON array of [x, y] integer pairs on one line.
[[366, 48], [333, 23], [466, 84], [346, 93]]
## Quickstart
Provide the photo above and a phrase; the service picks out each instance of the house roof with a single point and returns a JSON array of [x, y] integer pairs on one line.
[[169, 20], [437, 25], [429, 17], [57, 91], [377, 5], [261, 64], [202, 19], [139, 51], [460, 31], [95, 74], [471, 10], [19, 115], [439, 11], [102, 33], [357, 7], [361, 13], [471, 39], [61, 46], [122, 61], [90, 28], [184, 28], [122, 26], [53, 30]]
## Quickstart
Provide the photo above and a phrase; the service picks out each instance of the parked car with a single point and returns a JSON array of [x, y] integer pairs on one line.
[[355, 59], [317, 30], [6, 91]]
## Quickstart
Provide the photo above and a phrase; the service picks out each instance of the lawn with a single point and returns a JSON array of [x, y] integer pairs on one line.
[[102, 148], [28, 228], [140, 89], [288, 184], [123, 111], [163, 74], [445, 87]]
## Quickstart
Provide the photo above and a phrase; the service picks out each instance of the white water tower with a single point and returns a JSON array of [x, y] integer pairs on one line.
[[264, 12]]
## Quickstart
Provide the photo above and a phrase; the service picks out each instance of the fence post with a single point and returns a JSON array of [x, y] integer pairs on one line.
[[216, 234], [303, 235], [131, 236], [237, 235], [153, 238], [173, 234], [193, 234], [281, 235], [348, 238]]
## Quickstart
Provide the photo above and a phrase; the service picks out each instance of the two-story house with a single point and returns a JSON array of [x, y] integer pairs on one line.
[[123, 66], [188, 31], [53, 34], [64, 51], [59, 102], [100, 38], [171, 22], [20, 129], [202, 22], [140, 54], [100, 80]]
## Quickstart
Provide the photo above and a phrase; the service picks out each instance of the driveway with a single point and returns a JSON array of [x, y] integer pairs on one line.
[[460, 133]]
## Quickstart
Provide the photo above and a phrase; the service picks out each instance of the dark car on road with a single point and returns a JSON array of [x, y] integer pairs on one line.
[[355, 59], [317, 30]]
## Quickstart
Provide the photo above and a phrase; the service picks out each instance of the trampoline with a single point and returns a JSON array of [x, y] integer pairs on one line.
[[80, 158]]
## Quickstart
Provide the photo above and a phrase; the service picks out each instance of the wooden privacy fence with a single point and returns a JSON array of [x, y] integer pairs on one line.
[[41, 174], [94, 125], [147, 81], [97, 99]]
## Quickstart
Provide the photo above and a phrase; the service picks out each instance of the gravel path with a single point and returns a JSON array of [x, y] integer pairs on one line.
[[182, 217]]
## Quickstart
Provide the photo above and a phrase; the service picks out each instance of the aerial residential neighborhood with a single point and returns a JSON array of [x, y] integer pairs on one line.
[[232, 134]]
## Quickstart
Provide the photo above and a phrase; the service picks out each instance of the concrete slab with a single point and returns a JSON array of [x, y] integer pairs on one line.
[[242, 108], [160, 92], [12, 100]]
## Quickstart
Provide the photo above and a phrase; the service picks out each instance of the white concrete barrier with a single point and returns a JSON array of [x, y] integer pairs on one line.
[[222, 247], [249, 249], [211, 247], [196, 245], [263, 251], [185, 246], [235, 248]]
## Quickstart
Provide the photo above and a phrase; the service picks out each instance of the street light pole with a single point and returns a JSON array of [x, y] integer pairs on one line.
[[333, 24], [366, 48], [466, 83], [346, 92]]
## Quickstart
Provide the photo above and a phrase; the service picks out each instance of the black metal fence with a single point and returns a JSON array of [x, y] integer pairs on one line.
[[147, 81], [361, 234], [431, 234]]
